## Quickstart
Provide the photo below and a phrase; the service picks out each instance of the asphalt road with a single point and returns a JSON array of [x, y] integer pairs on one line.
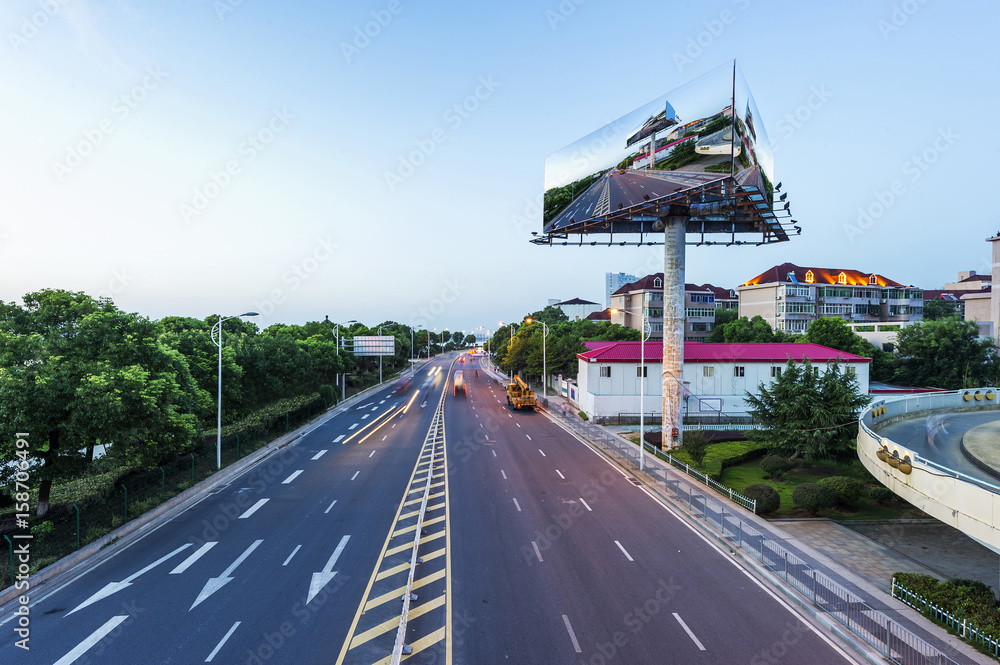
[[559, 558], [939, 438], [534, 549], [230, 577]]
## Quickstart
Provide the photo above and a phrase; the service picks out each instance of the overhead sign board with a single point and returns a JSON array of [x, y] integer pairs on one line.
[[374, 345]]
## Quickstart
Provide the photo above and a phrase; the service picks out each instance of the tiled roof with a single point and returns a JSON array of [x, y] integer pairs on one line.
[[643, 284], [575, 301], [820, 276], [695, 352], [603, 315], [952, 294]]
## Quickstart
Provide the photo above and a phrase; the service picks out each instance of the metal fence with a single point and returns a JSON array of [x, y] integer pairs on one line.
[[110, 502], [873, 626], [965, 630]]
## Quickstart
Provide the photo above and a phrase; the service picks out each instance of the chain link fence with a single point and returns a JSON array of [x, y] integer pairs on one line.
[[113, 501]]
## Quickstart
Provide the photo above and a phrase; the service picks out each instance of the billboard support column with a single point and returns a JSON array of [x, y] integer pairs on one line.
[[673, 330]]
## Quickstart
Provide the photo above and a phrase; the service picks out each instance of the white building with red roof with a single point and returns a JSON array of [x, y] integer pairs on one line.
[[716, 377]]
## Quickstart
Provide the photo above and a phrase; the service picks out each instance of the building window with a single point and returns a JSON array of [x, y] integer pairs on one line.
[[708, 372], [850, 369], [810, 277], [738, 371], [775, 372], [841, 278], [606, 372], [657, 283], [641, 371], [873, 280]]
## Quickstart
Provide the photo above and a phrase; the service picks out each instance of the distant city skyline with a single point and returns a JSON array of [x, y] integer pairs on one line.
[[385, 162]]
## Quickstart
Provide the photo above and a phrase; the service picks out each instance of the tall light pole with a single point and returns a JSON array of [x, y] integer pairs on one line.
[[545, 376], [642, 386], [411, 349], [336, 335], [216, 334]]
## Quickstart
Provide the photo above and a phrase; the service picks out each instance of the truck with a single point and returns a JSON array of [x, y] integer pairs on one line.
[[519, 396]]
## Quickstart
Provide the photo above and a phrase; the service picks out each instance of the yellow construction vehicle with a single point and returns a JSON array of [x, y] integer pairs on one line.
[[519, 396]]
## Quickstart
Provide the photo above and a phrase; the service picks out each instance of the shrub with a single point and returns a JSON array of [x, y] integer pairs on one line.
[[583, 415], [329, 394], [696, 444], [768, 499], [881, 494], [814, 497], [848, 490], [775, 466]]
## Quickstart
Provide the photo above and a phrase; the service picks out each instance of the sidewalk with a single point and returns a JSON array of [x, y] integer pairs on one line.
[[861, 566]]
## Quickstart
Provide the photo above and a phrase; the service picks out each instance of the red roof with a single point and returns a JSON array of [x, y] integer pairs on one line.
[[603, 315], [779, 274], [705, 352]]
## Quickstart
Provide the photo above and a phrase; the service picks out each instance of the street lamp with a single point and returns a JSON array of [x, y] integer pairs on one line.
[[545, 376], [642, 385], [411, 349], [511, 327], [216, 334], [336, 335]]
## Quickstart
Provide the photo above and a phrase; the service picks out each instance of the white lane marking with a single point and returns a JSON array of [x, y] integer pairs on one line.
[[219, 645], [115, 587], [375, 408], [353, 426], [560, 474], [385, 437], [382, 402], [494, 453], [355, 475], [364, 405], [216, 583], [477, 415], [480, 424], [541, 451], [197, 554], [319, 454], [585, 505], [572, 635], [517, 505], [330, 506], [291, 555], [94, 638], [252, 509], [518, 424], [295, 474], [624, 551], [372, 455], [529, 436], [509, 416], [394, 425], [537, 552], [363, 417], [338, 439], [503, 474], [687, 630]]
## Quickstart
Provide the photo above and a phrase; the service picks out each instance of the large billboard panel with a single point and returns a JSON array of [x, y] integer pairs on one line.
[[374, 345], [701, 133]]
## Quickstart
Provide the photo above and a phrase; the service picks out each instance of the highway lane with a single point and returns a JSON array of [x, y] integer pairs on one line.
[[234, 572], [559, 558]]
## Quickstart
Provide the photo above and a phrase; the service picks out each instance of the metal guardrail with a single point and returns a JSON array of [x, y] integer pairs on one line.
[[965, 630], [873, 626], [435, 435]]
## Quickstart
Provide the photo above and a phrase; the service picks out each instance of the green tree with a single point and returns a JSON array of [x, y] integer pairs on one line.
[[807, 413], [470, 340], [722, 317], [939, 309], [945, 353], [76, 373], [743, 330]]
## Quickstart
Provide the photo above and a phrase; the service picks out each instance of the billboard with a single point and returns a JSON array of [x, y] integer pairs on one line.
[[374, 345], [699, 139]]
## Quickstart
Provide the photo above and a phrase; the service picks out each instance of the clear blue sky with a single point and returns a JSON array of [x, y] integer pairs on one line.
[[198, 156]]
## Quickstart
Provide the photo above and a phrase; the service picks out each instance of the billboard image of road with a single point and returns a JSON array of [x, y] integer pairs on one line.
[[704, 132]]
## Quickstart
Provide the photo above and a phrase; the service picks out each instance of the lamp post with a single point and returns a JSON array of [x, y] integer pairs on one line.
[[411, 349], [511, 328], [216, 334], [336, 335], [545, 376], [642, 385]]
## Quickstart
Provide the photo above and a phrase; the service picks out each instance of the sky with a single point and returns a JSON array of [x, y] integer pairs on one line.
[[383, 159]]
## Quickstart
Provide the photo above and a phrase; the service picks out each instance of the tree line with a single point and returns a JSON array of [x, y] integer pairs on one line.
[[77, 373]]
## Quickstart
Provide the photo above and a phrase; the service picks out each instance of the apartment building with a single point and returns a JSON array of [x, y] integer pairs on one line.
[[645, 296], [790, 297]]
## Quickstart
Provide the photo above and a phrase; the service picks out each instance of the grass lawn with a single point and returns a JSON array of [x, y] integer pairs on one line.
[[749, 473]]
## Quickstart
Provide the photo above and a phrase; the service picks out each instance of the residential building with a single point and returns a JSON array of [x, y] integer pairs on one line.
[[968, 280], [716, 377], [614, 281], [603, 315], [577, 308], [646, 295], [790, 297]]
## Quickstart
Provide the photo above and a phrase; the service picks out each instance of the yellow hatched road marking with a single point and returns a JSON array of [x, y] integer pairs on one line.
[[412, 528], [420, 645], [409, 545], [396, 594], [393, 623]]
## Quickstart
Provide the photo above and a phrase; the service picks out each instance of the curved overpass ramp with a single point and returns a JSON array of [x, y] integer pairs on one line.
[[940, 452]]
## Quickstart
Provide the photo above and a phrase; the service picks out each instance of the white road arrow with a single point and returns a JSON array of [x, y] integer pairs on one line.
[[114, 587], [216, 583], [322, 578], [423, 405]]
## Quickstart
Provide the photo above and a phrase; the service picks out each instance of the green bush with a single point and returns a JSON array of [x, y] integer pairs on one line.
[[768, 499], [583, 415], [775, 466], [966, 599], [848, 490], [881, 494], [814, 497], [330, 395], [696, 444]]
